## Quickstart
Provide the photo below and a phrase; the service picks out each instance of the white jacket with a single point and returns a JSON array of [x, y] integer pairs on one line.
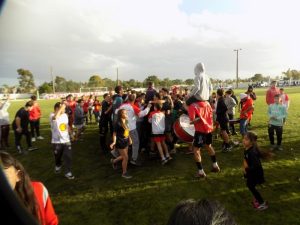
[[202, 85]]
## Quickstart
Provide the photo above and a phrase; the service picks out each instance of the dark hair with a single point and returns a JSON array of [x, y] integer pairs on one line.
[[202, 212], [118, 89], [228, 92], [281, 89], [33, 97], [276, 96], [158, 106], [29, 103], [165, 90], [131, 97], [119, 118], [150, 84], [220, 92], [157, 95], [79, 100], [253, 139], [23, 189], [105, 95], [57, 105]]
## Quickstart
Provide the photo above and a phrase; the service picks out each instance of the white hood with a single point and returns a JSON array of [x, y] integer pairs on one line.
[[202, 85]]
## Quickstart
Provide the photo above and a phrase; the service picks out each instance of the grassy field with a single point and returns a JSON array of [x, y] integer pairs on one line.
[[99, 195]]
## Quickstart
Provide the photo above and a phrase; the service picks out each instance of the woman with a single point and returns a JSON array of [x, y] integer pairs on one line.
[[121, 140], [33, 195]]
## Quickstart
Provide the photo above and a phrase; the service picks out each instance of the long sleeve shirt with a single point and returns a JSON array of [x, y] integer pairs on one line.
[[276, 113], [272, 91]]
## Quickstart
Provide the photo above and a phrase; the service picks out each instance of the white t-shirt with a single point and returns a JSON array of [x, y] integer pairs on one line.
[[60, 129]]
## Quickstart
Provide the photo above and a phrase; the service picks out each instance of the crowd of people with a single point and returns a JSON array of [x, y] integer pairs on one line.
[[132, 122]]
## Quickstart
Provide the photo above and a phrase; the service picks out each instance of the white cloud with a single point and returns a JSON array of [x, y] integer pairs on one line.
[[80, 38]]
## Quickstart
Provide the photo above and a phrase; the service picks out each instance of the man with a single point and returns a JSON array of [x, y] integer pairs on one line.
[[150, 92], [20, 127], [133, 112], [79, 117], [271, 92], [61, 139], [105, 120], [203, 134]]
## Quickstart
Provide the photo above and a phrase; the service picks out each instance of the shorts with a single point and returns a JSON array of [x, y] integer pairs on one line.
[[158, 137], [224, 126], [201, 139], [122, 143]]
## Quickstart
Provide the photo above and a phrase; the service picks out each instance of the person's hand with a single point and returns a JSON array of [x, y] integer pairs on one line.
[[112, 145], [149, 105], [130, 141], [19, 129]]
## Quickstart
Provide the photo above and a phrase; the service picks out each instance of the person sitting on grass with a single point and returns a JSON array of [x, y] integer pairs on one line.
[[157, 120], [121, 140], [253, 170], [277, 114]]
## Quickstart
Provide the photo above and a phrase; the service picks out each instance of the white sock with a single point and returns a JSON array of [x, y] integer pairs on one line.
[[201, 171], [215, 164]]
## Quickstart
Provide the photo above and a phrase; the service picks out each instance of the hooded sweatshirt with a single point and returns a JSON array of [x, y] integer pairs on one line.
[[202, 85]]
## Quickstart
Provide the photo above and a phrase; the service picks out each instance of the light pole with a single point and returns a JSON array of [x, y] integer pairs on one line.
[[237, 66]]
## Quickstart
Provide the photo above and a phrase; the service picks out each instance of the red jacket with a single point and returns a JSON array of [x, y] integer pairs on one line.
[[35, 112], [203, 111], [47, 213]]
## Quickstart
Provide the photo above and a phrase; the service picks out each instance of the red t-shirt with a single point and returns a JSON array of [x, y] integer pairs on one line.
[[246, 105], [85, 106], [203, 111], [35, 112], [97, 107]]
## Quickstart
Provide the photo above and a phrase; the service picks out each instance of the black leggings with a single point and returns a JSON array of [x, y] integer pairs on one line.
[[35, 126], [256, 194], [18, 137], [278, 130]]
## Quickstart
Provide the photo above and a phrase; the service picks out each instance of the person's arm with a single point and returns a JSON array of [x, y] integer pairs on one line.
[[114, 137], [59, 112], [18, 124], [50, 215], [268, 97], [108, 110], [143, 112]]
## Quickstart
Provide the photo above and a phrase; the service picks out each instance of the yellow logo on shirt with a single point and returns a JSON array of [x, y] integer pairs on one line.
[[62, 127], [126, 133]]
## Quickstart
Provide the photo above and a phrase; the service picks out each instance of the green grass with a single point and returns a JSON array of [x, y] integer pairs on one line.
[[99, 195]]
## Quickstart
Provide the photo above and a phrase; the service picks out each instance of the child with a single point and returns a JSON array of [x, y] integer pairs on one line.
[[97, 108], [157, 120], [34, 120], [246, 112], [276, 113], [121, 140], [253, 170]]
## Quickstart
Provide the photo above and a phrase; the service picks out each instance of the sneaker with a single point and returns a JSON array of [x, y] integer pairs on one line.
[[273, 147], [40, 138], [133, 162], [70, 176], [57, 169], [279, 148], [33, 139], [19, 149], [200, 175], [114, 166], [32, 149], [215, 169], [164, 161], [173, 151], [114, 152], [168, 158], [262, 206], [255, 203], [126, 175]]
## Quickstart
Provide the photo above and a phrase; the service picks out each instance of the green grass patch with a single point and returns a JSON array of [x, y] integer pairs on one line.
[[99, 195]]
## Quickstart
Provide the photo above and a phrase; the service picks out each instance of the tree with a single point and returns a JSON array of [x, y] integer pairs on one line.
[[60, 84], [95, 81], [189, 81], [257, 77], [153, 79], [26, 81], [45, 88]]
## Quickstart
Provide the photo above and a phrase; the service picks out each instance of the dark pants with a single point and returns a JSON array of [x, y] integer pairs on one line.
[[35, 126], [18, 137], [63, 151], [256, 194], [231, 117], [4, 136], [103, 130], [278, 130]]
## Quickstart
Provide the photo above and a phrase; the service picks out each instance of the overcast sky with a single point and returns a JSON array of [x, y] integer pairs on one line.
[[80, 38]]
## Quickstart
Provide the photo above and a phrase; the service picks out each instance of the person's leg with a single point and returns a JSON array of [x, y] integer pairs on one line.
[[165, 149], [160, 150], [6, 135], [124, 154], [58, 153], [231, 117], [28, 138], [243, 126], [103, 129], [18, 137], [135, 144], [37, 127], [279, 130], [271, 134], [32, 127], [67, 157], [255, 193]]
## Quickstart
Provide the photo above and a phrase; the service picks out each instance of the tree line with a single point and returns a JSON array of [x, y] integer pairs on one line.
[[61, 84]]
